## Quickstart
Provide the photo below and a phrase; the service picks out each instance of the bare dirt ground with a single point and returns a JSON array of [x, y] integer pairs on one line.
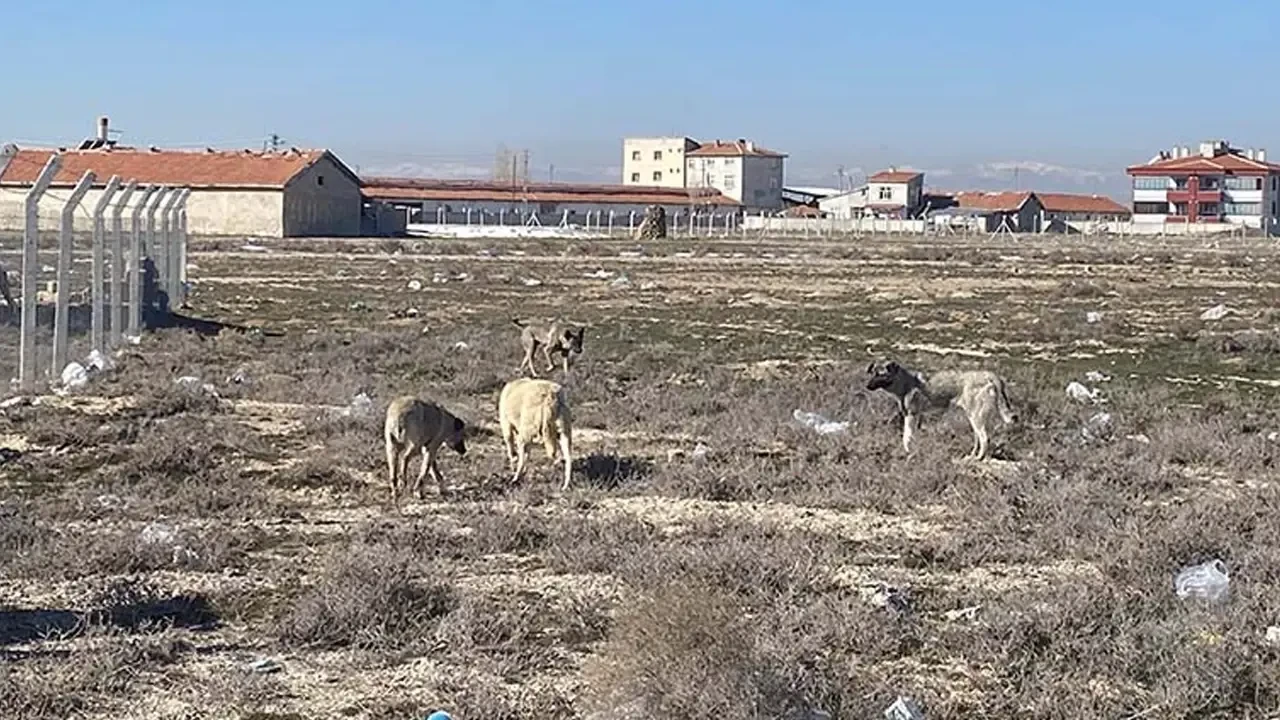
[[168, 551]]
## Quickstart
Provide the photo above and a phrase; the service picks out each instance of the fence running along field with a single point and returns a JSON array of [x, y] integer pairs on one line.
[[157, 237]]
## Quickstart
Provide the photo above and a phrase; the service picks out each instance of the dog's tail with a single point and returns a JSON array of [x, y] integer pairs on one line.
[[518, 322], [1007, 413]]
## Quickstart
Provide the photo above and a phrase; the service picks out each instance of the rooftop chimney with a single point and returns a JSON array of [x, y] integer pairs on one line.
[[1261, 155], [1249, 153], [104, 126], [751, 147]]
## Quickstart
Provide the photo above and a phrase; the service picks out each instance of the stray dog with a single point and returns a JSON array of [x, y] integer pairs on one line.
[[980, 393], [532, 410], [418, 426], [555, 340]]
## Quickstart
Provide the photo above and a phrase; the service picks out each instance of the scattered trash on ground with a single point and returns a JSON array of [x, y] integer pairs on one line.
[[460, 345], [253, 248], [904, 708], [99, 362], [74, 375], [1217, 312], [1098, 427], [600, 274], [1097, 377], [1080, 393], [161, 534], [1207, 581], [415, 285], [622, 281], [1092, 317], [531, 282], [966, 613], [819, 423], [700, 451], [361, 406], [264, 666], [1273, 635], [892, 598]]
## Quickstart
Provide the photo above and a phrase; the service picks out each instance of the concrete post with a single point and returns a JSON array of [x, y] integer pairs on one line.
[[183, 238], [116, 324], [176, 250], [161, 252], [98, 290], [31, 273], [65, 241], [140, 213]]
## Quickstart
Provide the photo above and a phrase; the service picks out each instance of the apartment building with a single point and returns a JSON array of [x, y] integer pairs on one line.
[[741, 170], [895, 193], [1218, 184], [655, 161]]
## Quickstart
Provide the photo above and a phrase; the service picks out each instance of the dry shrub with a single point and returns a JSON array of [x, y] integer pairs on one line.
[[367, 598], [687, 650]]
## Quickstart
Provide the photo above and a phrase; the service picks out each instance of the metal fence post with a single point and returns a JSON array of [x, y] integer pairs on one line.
[[116, 324], [98, 291], [31, 272], [66, 241], [135, 259]]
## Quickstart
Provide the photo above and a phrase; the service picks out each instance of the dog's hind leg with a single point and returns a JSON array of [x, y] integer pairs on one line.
[[427, 461], [393, 465], [522, 457], [566, 450]]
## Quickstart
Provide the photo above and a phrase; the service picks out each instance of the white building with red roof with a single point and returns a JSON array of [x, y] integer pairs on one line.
[[1218, 184], [743, 171]]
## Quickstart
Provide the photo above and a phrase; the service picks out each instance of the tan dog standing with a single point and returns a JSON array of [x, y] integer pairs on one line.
[[980, 393], [418, 426], [554, 340], [532, 410]]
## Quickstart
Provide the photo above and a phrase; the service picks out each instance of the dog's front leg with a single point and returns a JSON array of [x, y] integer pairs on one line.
[[909, 423]]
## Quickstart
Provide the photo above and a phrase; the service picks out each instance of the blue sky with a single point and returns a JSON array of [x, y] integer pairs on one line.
[[1070, 92]]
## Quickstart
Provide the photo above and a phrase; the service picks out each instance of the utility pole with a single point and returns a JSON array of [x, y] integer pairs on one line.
[[551, 173], [273, 142]]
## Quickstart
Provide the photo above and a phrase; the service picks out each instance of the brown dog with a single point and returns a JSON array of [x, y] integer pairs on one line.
[[417, 426], [555, 340]]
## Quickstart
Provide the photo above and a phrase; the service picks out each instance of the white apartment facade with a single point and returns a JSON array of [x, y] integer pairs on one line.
[[655, 161], [741, 170], [1219, 184], [895, 193]]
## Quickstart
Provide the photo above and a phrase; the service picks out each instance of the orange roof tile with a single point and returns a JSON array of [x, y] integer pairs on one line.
[[993, 201], [895, 176], [1067, 202], [1225, 162], [737, 148], [195, 169], [384, 188]]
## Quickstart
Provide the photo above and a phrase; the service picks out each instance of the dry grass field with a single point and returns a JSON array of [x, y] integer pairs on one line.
[[173, 551]]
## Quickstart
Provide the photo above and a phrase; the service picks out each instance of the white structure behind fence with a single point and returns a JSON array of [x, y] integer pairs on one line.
[[167, 250]]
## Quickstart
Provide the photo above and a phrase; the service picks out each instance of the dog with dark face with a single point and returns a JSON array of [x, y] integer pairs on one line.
[[982, 395], [565, 341], [415, 426]]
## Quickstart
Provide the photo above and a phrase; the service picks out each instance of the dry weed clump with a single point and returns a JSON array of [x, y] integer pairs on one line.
[[372, 598]]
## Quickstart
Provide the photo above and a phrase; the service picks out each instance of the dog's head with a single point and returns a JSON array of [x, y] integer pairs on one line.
[[456, 440], [882, 374], [571, 339]]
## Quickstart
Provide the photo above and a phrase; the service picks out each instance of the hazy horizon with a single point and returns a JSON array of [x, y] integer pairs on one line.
[[966, 93]]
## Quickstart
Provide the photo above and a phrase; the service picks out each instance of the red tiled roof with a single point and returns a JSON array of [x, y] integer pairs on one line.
[[384, 188], [731, 149], [1198, 163], [993, 201], [802, 211], [894, 176], [1067, 202], [196, 169]]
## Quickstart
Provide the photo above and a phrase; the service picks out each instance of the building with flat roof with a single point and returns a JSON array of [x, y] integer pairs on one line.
[[655, 161], [1218, 184], [740, 169]]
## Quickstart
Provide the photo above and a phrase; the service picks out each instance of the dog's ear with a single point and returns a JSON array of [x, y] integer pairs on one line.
[[892, 366], [871, 368]]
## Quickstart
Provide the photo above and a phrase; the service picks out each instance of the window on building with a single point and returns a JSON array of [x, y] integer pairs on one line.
[[730, 182], [886, 193], [1180, 183], [773, 183], [657, 175], [1208, 208], [1180, 209], [1210, 183], [635, 154], [635, 177], [1242, 208], [657, 154], [1273, 208], [1242, 183], [713, 181], [1275, 182], [1151, 183]]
